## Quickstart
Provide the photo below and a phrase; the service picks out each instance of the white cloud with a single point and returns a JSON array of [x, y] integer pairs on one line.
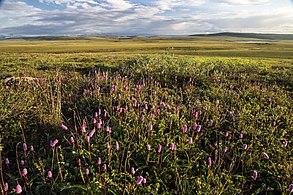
[[119, 4], [86, 4], [167, 4], [244, 2], [146, 12], [14, 13], [171, 4], [266, 21], [194, 2], [58, 2]]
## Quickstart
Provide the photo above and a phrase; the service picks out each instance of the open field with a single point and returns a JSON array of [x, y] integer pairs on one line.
[[146, 115], [193, 46]]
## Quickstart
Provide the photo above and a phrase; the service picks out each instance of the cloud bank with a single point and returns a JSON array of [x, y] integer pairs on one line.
[[160, 17]]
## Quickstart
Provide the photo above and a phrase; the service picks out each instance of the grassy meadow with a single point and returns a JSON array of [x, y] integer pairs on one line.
[[146, 115]]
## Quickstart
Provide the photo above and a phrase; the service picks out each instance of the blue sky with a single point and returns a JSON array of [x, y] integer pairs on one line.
[[153, 17]]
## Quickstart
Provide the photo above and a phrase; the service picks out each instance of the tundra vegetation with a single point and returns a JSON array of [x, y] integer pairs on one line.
[[146, 115]]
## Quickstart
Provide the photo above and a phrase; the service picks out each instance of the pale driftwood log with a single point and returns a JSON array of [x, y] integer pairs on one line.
[[26, 79]]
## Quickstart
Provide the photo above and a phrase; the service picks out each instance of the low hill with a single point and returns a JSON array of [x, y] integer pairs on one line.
[[250, 35]]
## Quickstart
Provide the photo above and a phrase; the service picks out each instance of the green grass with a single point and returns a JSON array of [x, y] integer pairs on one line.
[[237, 94], [195, 46]]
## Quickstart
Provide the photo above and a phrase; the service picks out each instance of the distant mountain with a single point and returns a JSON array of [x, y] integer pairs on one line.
[[250, 35], [264, 37], [73, 36], [51, 38]]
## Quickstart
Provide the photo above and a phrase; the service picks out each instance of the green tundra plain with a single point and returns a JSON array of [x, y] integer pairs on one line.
[[146, 115]]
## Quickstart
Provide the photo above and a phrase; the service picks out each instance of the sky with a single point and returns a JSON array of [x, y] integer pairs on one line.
[[143, 17]]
